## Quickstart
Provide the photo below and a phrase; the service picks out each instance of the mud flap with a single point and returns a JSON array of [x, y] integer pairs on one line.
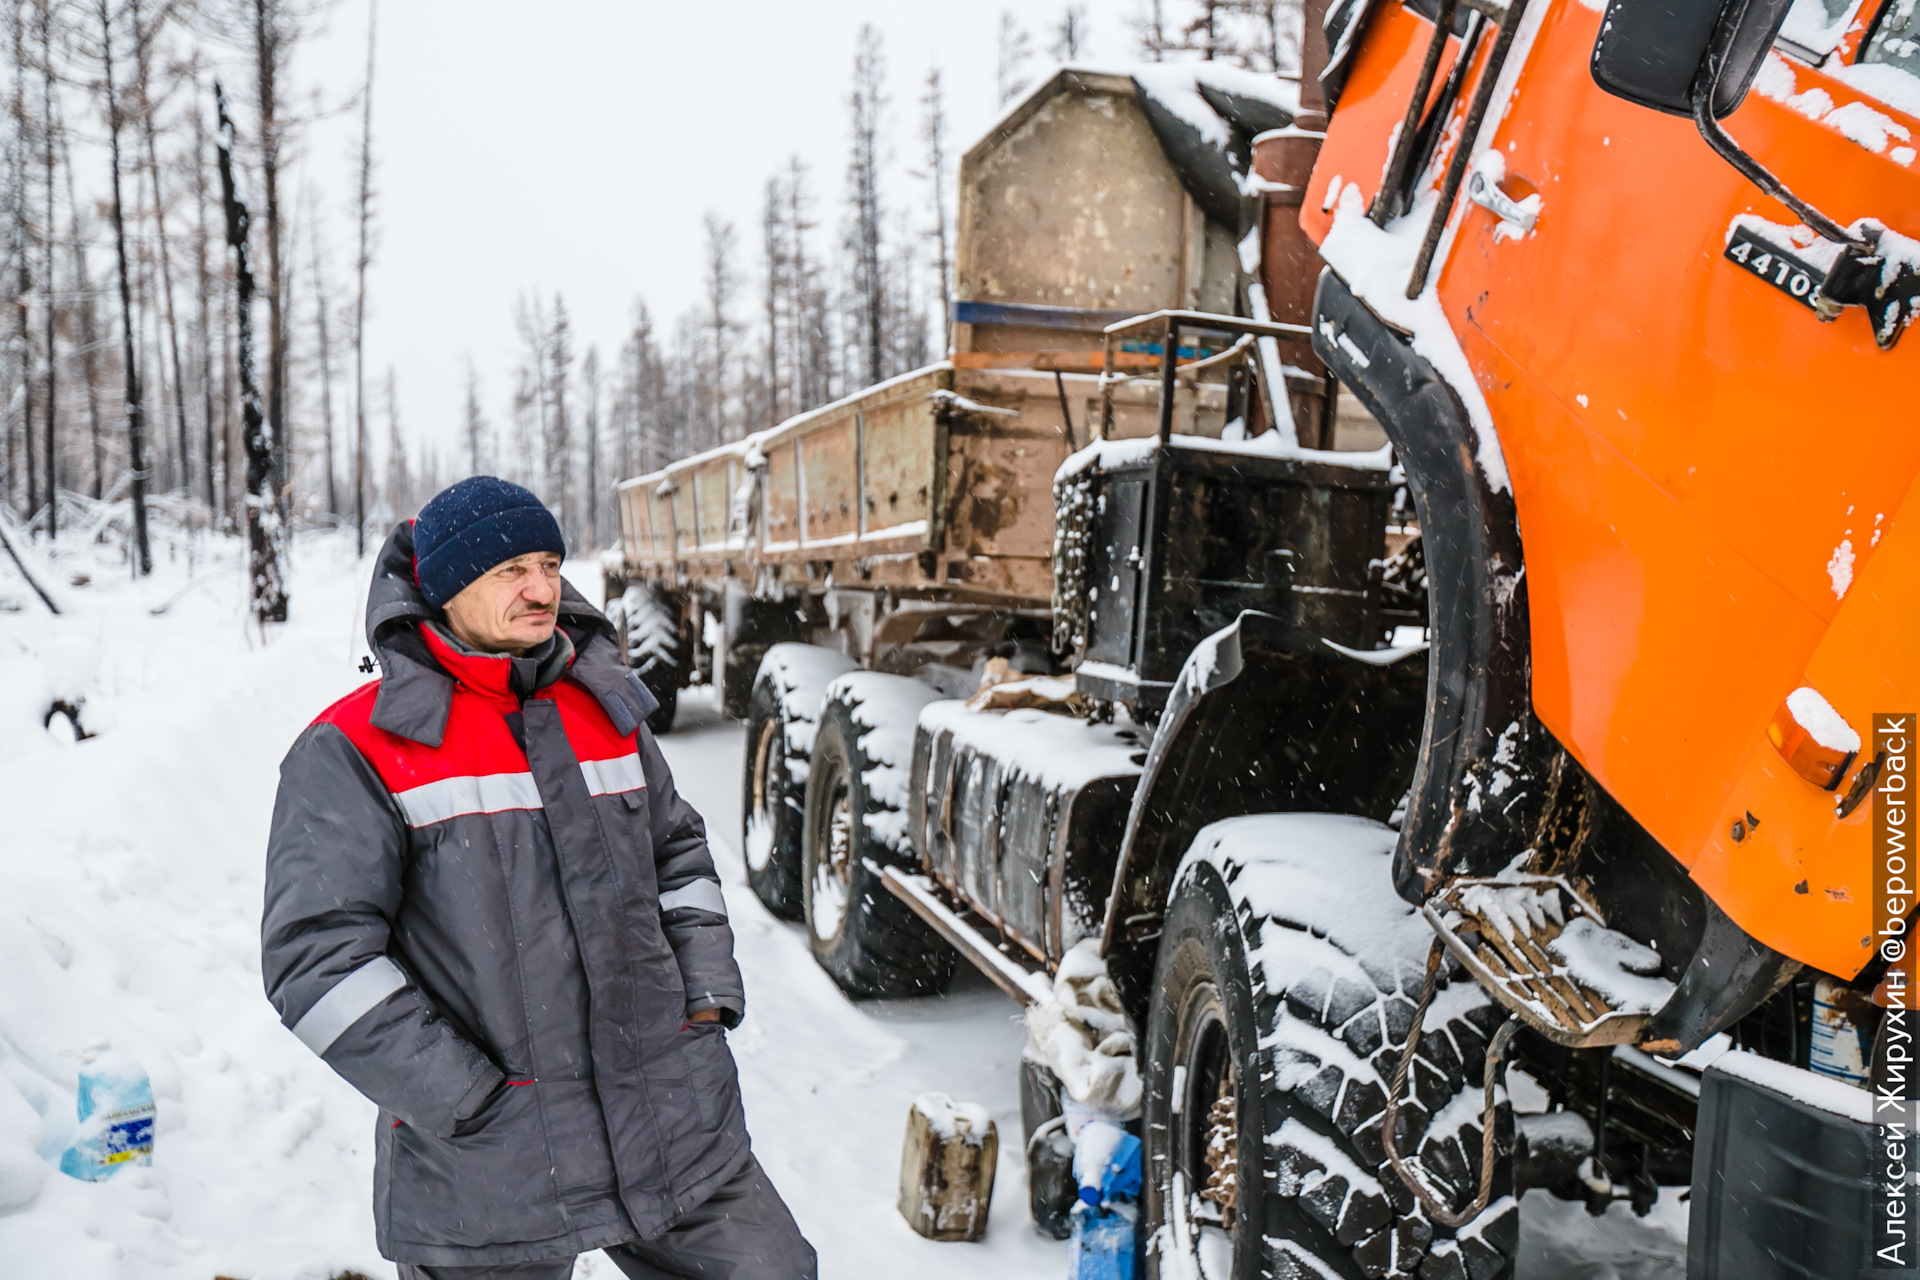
[[1781, 1188]]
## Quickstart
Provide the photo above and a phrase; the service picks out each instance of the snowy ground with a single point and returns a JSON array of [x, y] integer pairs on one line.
[[129, 910]]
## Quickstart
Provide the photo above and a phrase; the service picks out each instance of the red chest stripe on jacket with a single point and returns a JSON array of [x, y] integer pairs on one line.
[[479, 767]]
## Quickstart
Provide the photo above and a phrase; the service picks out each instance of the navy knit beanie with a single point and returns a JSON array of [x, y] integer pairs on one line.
[[470, 527]]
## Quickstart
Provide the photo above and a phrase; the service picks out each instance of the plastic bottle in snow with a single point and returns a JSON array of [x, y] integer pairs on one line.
[[116, 1119], [1105, 1240], [1838, 1050]]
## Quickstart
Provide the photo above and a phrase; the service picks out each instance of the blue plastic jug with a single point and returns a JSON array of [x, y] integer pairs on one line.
[[1105, 1240], [116, 1119]]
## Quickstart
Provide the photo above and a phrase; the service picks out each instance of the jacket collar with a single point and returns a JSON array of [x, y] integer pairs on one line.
[[416, 689], [501, 678]]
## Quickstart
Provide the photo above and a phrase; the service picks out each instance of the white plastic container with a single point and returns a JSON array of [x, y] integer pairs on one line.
[[1837, 1049]]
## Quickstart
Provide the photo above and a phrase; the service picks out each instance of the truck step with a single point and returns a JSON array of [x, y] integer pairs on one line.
[[1028, 985], [1542, 950]]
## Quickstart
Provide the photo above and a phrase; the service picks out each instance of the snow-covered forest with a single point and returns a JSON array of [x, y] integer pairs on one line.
[[1038, 703], [123, 321]]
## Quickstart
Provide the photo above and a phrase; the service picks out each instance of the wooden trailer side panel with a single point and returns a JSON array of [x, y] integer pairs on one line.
[[1000, 466], [636, 523], [685, 519], [713, 484], [780, 496], [830, 481], [898, 452], [660, 517], [857, 478]]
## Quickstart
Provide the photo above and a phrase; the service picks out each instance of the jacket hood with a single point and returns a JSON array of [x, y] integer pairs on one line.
[[416, 694]]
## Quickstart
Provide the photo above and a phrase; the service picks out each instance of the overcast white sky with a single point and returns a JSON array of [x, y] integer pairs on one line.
[[574, 145]]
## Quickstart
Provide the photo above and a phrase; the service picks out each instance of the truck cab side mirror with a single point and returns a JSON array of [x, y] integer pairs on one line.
[[1656, 52], [1698, 58]]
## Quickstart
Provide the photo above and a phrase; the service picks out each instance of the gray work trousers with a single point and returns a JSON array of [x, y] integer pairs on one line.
[[742, 1232]]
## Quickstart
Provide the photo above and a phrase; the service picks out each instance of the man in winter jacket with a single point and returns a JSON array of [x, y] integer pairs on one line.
[[490, 911]]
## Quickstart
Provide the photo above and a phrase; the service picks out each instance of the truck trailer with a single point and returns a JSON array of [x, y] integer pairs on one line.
[[1177, 637]]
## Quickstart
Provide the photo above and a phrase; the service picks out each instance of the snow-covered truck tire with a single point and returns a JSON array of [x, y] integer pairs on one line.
[[782, 715], [870, 942], [1288, 960], [655, 649]]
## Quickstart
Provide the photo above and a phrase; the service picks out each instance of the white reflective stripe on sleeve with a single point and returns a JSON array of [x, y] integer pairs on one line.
[[351, 999], [701, 895], [452, 797], [608, 777]]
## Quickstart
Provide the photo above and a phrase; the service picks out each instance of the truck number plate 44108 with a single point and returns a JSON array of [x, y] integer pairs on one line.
[[1785, 272]]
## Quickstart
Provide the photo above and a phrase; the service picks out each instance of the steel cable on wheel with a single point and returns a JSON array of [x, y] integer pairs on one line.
[[1404, 1168]]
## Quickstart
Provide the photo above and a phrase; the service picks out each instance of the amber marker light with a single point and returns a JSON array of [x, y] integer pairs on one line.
[[1813, 738]]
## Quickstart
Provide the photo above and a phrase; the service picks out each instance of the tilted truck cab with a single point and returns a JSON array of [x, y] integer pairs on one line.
[[1528, 740], [1591, 281]]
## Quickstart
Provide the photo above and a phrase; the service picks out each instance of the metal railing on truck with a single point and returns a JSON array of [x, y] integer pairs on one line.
[[1171, 322]]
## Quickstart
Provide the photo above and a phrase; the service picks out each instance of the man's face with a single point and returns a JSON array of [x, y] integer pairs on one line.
[[511, 607]]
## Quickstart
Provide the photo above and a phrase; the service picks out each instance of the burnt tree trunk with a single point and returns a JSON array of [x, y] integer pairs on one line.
[[89, 323], [265, 577], [46, 128], [136, 424], [166, 297], [23, 247], [326, 362], [361, 261], [204, 288], [267, 38]]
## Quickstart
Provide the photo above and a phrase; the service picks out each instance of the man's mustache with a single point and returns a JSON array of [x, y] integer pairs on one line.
[[537, 610]]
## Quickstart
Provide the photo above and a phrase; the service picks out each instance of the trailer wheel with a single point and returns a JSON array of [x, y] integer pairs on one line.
[[1287, 977], [782, 715], [869, 941], [652, 640]]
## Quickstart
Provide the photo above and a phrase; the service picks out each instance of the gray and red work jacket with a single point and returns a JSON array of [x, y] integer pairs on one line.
[[490, 911]]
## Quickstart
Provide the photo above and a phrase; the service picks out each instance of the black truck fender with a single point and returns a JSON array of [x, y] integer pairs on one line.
[[1483, 784], [1263, 718]]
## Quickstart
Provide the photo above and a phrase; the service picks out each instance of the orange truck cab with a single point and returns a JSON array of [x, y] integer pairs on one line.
[[1626, 285]]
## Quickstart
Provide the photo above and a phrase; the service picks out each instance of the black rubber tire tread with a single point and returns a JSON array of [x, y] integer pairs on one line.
[[777, 883], [652, 639], [1198, 945], [661, 721], [882, 949], [738, 672], [1208, 934]]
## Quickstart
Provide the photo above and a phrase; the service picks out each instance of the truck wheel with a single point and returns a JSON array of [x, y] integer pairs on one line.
[[650, 638], [782, 714], [1284, 936], [869, 941]]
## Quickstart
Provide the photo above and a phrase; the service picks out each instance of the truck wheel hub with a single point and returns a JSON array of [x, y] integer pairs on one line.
[[833, 869], [1208, 1127], [760, 817]]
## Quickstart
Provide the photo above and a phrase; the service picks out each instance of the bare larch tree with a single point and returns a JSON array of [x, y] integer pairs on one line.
[[933, 133], [136, 425], [324, 344], [865, 104], [362, 261], [143, 38], [1014, 50], [265, 544]]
